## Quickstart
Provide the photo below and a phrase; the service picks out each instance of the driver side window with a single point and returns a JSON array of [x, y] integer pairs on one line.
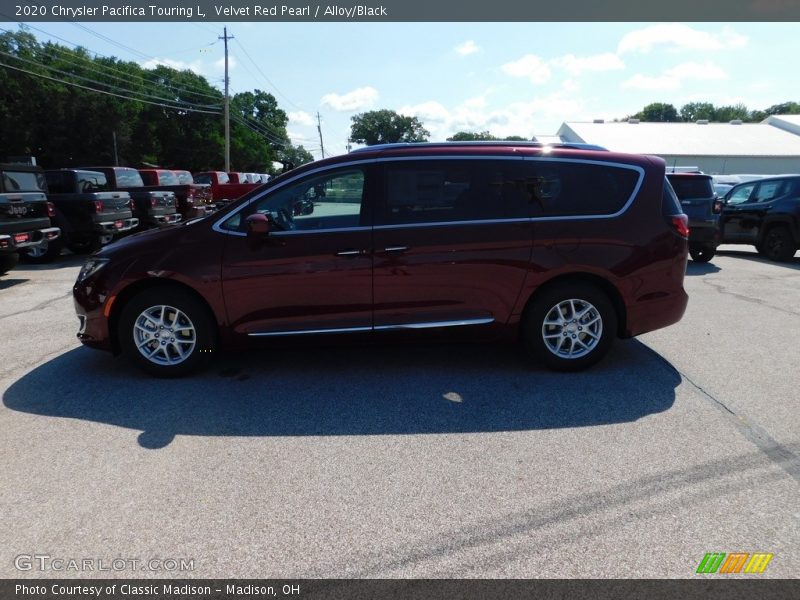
[[327, 201]]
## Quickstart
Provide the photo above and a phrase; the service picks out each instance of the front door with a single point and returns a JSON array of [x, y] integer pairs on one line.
[[313, 272]]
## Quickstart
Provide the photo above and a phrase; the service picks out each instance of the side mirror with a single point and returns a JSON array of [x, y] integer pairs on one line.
[[258, 225]]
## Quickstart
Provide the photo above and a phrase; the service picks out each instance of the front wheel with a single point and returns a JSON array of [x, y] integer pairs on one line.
[[570, 326], [702, 254], [167, 332]]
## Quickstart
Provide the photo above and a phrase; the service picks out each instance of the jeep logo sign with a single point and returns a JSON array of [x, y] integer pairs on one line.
[[17, 210]]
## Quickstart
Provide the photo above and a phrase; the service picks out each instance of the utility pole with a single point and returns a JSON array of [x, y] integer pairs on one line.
[[116, 158], [227, 117], [319, 128]]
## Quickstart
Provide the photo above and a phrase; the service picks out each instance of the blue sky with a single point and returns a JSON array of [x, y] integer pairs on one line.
[[508, 78]]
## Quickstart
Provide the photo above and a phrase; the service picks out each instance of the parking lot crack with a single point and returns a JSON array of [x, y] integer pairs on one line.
[[39, 306], [721, 289]]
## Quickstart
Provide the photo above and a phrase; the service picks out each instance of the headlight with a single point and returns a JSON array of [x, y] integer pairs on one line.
[[92, 266]]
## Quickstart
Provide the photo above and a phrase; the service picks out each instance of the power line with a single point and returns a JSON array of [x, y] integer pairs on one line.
[[267, 79], [108, 85], [191, 89], [178, 108]]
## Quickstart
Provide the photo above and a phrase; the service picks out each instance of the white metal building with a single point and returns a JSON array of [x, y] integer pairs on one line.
[[772, 146]]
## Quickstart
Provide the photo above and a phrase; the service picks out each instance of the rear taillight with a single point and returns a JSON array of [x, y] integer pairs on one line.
[[717, 206], [98, 206], [681, 225], [51, 210]]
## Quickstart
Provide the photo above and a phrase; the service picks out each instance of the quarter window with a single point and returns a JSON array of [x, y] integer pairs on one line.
[[566, 188]]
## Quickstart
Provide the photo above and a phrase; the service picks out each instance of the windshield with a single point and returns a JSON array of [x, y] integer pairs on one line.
[[128, 178], [91, 181], [167, 178], [692, 187], [24, 181], [185, 177]]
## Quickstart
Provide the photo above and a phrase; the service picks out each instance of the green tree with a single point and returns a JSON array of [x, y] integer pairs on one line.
[[694, 111], [386, 127], [296, 155], [469, 136], [658, 112], [729, 113]]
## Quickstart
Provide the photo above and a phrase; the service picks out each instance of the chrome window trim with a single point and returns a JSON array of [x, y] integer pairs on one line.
[[217, 225], [399, 326]]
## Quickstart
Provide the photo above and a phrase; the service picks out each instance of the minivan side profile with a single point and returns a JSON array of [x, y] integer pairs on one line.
[[563, 248]]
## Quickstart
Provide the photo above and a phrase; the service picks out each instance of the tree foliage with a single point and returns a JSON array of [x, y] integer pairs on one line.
[[160, 116], [658, 112], [483, 136], [386, 127], [695, 111]]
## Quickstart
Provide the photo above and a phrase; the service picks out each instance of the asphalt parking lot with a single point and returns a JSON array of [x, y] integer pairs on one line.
[[413, 461]]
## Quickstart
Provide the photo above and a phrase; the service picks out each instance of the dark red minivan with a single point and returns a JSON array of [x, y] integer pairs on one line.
[[564, 247]]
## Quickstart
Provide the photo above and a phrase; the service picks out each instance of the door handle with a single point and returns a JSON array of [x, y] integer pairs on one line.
[[389, 249], [351, 253]]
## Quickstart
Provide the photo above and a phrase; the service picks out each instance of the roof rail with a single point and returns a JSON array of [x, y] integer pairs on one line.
[[568, 145]]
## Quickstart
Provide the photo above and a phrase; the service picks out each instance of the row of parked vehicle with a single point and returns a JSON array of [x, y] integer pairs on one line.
[[43, 211], [758, 210]]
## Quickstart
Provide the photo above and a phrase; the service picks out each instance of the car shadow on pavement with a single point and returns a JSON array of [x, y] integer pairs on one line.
[[7, 283], [696, 268], [792, 263], [350, 390]]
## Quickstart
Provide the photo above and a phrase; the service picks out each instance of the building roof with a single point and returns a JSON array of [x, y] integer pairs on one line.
[[686, 139], [790, 123]]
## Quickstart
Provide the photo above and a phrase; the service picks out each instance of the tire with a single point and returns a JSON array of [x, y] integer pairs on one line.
[[551, 334], [702, 254], [778, 244], [147, 315], [8, 260], [79, 245], [47, 252]]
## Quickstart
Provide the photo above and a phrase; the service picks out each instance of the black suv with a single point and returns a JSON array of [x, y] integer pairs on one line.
[[766, 214], [701, 204]]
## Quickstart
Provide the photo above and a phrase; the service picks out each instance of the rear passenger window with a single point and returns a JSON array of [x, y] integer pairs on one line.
[[561, 188], [436, 191], [769, 190]]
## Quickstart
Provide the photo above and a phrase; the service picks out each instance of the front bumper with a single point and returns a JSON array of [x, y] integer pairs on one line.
[[28, 239]]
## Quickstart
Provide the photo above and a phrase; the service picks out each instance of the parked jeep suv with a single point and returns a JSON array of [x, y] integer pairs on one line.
[[766, 214], [565, 248], [700, 203]]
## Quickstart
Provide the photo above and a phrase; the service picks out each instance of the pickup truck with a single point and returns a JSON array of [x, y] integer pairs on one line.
[[221, 186], [194, 199], [153, 207], [88, 214], [24, 213]]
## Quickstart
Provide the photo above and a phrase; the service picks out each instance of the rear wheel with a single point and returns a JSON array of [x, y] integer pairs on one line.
[[83, 245], [166, 332], [702, 254], [8, 260], [45, 252], [570, 326], [778, 244]]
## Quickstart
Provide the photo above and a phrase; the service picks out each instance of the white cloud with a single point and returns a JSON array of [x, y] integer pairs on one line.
[[529, 66], [575, 65], [195, 66], [220, 64], [467, 48], [673, 78], [358, 99], [679, 36], [519, 118], [300, 118]]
